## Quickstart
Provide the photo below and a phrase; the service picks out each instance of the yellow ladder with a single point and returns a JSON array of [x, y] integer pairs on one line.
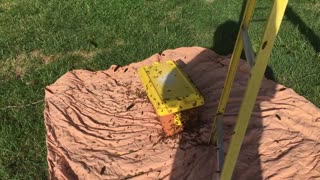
[[258, 66]]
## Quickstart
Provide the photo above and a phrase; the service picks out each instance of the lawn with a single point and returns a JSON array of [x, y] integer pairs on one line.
[[40, 40]]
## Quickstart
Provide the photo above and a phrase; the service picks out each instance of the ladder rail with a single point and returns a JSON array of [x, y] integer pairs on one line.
[[232, 69], [254, 83]]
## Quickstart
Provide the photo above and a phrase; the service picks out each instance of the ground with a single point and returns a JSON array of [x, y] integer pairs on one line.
[[41, 40]]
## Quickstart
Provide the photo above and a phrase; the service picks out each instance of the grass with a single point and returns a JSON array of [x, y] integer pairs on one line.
[[41, 40]]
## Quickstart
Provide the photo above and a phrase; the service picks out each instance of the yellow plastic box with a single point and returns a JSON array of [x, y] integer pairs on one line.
[[169, 89]]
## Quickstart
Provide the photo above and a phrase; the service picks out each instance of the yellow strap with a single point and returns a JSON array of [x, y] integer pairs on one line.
[[253, 87]]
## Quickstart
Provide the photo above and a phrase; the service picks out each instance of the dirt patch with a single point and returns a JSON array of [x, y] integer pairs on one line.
[[209, 1], [7, 5], [15, 67], [120, 42], [171, 16], [19, 65], [312, 5], [88, 55]]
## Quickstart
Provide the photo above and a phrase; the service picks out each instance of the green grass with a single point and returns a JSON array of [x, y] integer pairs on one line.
[[41, 40]]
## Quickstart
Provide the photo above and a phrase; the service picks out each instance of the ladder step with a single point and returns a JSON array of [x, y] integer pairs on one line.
[[247, 46]]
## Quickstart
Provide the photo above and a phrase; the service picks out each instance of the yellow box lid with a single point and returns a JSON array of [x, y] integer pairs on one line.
[[168, 88]]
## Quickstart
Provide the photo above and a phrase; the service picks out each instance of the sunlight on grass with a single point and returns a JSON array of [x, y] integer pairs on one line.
[[7, 5]]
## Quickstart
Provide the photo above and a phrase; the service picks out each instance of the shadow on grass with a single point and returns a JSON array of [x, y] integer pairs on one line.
[[304, 29], [225, 36]]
